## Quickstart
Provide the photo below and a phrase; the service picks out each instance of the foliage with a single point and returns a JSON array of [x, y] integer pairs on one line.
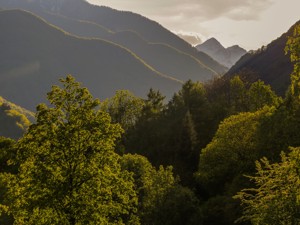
[[232, 151], [7, 155], [293, 47], [69, 173], [275, 199], [161, 199], [13, 121], [124, 108], [150, 184], [261, 95]]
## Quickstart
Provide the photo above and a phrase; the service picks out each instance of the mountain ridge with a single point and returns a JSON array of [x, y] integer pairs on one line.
[[269, 63], [112, 21], [226, 56], [30, 65]]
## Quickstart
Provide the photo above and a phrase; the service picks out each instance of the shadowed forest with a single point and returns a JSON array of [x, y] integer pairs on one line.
[[219, 152]]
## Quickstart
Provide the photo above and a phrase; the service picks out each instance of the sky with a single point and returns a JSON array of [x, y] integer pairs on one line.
[[248, 23]]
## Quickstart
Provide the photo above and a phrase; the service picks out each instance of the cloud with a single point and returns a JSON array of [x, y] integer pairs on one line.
[[202, 10], [193, 39]]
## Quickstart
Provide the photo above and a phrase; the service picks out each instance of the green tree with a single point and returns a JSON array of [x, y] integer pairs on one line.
[[151, 184], [7, 157], [146, 136], [260, 95], [154, 105], [275, 199], [162, 200], [293, 47], [69, 173], [124, 108], [232, 152], [238, 95]]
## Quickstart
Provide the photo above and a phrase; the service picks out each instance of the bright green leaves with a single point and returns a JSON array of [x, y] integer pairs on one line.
[[275, 199], [232, 151], [69, 172]]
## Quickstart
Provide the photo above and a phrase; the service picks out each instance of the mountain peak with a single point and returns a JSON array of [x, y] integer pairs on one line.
[[211, 43], [225, 56]]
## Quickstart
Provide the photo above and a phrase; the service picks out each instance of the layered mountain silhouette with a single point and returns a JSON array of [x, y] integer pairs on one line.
[[225, 56], [157, 46], [35, 54], [269, 63]]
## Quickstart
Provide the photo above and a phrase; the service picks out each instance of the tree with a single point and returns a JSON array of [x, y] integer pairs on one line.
[[232, 152], [154, 105], [162, 200], [238, 95], [275, 199], [69, 173], [293, 47], [151, 184], [261, 95], [7, 156], [124, 108]]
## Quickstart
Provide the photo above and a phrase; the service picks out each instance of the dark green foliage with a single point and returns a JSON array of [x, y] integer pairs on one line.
[[161, 199], [178, 206], [220, 210], [8, 154], [7, 165]]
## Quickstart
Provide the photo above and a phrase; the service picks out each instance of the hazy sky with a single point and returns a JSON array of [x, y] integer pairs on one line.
[[249, 23]]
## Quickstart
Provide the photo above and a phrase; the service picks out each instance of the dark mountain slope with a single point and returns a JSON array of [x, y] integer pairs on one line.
[[165, 58], [226, 56], [162, 57], [269, 63], [34, 55], [115, 21]]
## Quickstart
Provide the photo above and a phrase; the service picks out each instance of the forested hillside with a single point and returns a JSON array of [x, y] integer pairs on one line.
[[216, 153], [270, 64], [14, 120]]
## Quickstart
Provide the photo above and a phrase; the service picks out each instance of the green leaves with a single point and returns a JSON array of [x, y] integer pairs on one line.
[[69, 172], [275, 199]]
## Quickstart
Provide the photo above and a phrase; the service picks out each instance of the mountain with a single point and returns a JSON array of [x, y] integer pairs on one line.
[[35, 54], [14, 120], [160, 48], [269, 63], [226, 56]]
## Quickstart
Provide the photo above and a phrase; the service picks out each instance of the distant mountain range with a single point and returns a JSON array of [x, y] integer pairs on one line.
[[225, 56], [269, 63], [34, 55], [153, 45]]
